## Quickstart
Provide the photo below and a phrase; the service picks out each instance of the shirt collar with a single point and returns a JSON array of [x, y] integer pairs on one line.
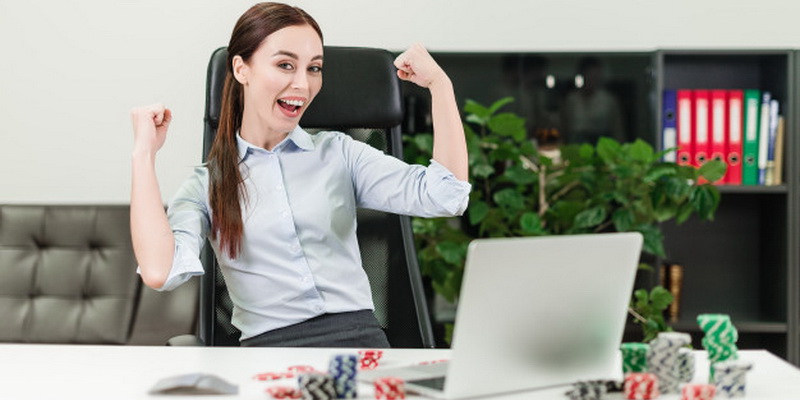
[[298, 137]]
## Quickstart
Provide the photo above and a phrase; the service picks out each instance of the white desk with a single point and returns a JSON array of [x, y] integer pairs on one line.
[[128, 372]]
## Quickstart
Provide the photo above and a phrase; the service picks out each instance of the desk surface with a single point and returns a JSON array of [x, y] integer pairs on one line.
[[128, 372]]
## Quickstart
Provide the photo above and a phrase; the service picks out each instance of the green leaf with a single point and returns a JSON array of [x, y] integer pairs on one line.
[[474, 108], [424, 142], [510, 199], [608, 149], [531, 223], [475, 119], [451, 252], [641, 151], [704, 200], [653, 239], [713, 170], [520, 176], [508, 124], [660, 298], [659, 170], [591, 217], [477, 211], [623, 219], [482, 170], [499, 103]]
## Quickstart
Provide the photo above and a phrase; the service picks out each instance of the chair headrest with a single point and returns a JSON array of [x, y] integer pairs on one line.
[[360, 90]]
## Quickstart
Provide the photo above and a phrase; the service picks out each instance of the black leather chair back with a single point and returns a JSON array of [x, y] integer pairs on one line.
[[360, 96]]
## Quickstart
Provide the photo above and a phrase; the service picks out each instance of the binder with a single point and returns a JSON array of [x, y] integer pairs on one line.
[[763, 137], [769, 178], [684, 122], [669, 129], [752, 107], [702, 145], [733, 176], [779, 140], [718, 127]]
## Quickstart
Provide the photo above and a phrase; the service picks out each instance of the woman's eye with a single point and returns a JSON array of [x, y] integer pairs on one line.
[[285, 66], [315, 68]]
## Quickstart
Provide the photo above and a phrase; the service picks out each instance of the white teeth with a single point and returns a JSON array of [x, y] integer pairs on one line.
[[298, 103]]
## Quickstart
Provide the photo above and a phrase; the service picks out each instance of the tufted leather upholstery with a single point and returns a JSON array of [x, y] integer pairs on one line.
[[68, 275]]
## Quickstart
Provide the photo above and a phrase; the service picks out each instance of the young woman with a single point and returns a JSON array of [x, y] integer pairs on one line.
[[277, 203]]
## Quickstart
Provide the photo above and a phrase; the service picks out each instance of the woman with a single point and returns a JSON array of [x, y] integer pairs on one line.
[[278, 204]]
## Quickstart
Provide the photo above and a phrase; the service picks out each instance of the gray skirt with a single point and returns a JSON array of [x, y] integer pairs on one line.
[[357, 329]]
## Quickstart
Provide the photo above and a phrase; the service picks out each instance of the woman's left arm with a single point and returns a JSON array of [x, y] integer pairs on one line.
[[449, 145]]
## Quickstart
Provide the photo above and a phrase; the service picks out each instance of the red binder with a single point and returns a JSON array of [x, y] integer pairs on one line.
[[733, 176], [684, 118], [718, 127], [701, 124]]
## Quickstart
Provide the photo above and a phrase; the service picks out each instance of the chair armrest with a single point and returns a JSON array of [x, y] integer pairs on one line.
[[185, 340]]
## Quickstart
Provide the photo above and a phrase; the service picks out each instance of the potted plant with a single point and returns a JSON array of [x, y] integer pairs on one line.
[[516, 191]]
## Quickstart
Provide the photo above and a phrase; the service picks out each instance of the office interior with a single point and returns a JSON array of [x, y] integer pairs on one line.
[[73, 70]]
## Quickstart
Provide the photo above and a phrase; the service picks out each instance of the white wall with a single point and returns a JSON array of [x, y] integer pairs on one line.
[[71, 70]]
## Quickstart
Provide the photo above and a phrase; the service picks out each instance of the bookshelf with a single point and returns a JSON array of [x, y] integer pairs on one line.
[[746, 262]]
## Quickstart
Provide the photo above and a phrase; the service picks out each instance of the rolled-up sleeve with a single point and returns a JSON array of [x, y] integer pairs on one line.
[[388, 184], [189, 219]]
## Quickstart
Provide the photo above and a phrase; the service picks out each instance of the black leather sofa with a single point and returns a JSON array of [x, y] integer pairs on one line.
[[68, 275]]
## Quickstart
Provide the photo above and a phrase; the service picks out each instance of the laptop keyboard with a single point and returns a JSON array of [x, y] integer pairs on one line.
[[433, 383]]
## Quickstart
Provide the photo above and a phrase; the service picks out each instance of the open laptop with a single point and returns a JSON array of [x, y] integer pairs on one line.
[[533, 313]]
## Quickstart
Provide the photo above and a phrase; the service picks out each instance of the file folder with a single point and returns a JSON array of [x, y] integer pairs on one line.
[[719, 127], [752, 110], [702, 145], [685, 141], [733, 176], [669, 128]]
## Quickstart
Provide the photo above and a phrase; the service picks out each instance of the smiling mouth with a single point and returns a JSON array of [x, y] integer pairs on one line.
[[291, 105]]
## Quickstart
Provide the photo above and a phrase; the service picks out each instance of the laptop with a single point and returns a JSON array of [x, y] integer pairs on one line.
[[534, 313]]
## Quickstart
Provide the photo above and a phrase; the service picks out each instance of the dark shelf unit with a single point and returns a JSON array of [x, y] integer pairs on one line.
[[746, 262]]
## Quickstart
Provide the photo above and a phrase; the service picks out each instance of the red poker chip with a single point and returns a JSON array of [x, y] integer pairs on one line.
[[272, 376], [301, 368], [284, 392]]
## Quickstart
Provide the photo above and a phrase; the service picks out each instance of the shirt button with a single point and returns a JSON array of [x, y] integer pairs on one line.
[[305, 279], [279, 187], [284, 214], [295, 248]]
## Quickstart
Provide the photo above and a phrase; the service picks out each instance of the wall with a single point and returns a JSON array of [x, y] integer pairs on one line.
[[73, 69]]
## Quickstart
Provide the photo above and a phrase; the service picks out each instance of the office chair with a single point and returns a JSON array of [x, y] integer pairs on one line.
[[361, 97]]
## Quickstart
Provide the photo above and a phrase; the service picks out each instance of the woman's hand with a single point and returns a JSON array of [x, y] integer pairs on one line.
[[416, 65], [150, 125]]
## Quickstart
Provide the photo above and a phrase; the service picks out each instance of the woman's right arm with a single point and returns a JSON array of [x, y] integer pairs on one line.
[[153, 240]]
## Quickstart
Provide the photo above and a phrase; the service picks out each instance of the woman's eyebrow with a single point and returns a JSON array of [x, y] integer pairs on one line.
[[294, 56]]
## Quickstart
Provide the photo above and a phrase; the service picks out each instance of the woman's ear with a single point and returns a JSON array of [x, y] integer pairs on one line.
[[239, 69]]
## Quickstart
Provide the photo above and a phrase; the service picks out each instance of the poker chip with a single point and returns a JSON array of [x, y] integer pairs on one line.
[[698, 391], [272, 376], [301, 368], [390, 388], [316, 386], [662, 359], [284, 392], [730, 377], [685, 365], [343, 369], [591, 390], [634, 357], [369, 358], [641, 386]]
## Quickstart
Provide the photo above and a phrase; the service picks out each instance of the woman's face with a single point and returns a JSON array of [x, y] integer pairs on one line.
[[282, 77]]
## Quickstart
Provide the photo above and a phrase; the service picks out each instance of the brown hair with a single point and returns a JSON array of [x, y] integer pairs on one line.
[[226, 187]]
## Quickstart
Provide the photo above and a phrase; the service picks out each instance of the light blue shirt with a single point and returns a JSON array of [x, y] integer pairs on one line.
[[300, 255]]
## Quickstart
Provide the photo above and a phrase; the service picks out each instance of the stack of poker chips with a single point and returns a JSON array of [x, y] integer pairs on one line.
[[641, 386], [729, 377], [591, 390], [634, 357], [390, 388], [685, 364], [662, 359], [698, 391], [343, 370], [316, 386], [720, 338]]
